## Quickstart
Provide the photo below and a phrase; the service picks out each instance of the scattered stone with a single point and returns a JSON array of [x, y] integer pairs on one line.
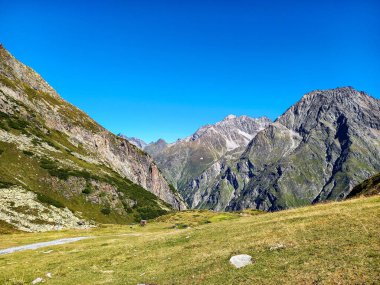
[[37, 280], [277, 246], [241, 260], [48, 275], [48, 251]]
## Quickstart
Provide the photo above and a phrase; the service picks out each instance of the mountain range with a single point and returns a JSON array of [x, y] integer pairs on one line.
[[203, 154], [318, 150]]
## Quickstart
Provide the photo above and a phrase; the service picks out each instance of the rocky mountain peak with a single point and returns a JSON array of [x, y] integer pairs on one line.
[[155, 147], [13, 69], [244, 125], [229, 117], [189, 162], [161, 142], [322, 106]]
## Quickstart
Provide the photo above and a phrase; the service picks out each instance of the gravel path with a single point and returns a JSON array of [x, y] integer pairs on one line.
[[41, 244]]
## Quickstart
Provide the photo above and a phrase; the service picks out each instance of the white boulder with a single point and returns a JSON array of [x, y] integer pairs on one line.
[[241, 260]]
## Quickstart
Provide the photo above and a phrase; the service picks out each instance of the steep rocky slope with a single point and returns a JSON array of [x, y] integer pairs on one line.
[[49, 146], [191, 163], [368, 187], [317, 150]]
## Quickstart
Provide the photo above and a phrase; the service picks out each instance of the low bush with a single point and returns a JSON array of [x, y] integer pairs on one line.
[[17, 124], [61, 173], [87, 190], [5, 184], [11, 121], [181, 226], [4, 126], [106, 211], [64, 173], [35, 142], [52, 144], [7, 82], [46, 163], [148, 213], [27, 153]]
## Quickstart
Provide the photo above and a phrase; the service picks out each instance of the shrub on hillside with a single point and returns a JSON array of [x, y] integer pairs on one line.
[[87, 190], [5, 184], [27, 153], [106, 211], [148, 213]]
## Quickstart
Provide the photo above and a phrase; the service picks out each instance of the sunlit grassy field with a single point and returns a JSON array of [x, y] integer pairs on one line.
[[334, 243]]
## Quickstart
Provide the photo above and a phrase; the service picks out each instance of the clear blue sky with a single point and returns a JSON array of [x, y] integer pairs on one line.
[[156, 68]]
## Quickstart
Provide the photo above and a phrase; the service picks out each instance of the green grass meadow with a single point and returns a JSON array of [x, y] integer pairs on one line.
[[331, 243]]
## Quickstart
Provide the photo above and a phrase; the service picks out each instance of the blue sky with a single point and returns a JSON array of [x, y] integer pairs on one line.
[[161, 69]]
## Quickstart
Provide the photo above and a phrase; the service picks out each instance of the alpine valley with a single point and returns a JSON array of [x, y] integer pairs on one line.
[[80, 205], [60, 169], [219, 142]]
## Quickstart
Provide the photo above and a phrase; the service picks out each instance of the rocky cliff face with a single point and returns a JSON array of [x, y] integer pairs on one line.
[[191, 163], [317, 150], [42, 129]]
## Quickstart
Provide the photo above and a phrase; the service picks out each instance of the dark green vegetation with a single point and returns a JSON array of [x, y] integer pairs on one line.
[[368, 187], [5, 184], [8, 122], [106, 211]]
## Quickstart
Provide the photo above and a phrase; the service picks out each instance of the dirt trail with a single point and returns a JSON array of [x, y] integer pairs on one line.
[[41, 244]]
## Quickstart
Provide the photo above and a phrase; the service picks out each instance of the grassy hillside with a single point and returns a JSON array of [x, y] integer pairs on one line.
[[332, 243]]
